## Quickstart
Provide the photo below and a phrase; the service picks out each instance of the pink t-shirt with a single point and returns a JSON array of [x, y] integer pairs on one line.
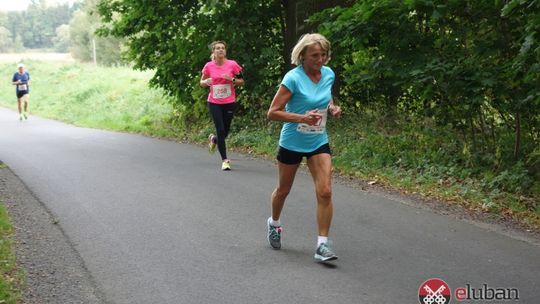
[[221, 90]]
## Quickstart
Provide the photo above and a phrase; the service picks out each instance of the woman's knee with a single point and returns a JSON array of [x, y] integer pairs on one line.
[[282, 192], [324, 193]]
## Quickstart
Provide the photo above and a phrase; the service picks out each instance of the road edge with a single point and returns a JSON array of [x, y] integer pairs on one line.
[[54, 270], [488, 221]]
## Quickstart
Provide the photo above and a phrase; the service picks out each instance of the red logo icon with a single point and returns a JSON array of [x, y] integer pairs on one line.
[[434, 291]]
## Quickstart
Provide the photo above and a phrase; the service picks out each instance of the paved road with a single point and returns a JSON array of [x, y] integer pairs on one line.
[[157, 222]]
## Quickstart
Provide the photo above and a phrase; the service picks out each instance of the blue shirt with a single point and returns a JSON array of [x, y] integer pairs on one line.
[[24, 78], [306, 96]]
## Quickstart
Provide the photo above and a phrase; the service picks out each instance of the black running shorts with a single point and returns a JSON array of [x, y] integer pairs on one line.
[[21, 93], [293, 158]]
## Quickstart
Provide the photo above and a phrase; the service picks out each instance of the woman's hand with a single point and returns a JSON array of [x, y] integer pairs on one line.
[[206, 82], [312, 118], [334, 110]]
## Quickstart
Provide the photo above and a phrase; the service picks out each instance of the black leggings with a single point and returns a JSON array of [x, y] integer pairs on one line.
[[222, 115]]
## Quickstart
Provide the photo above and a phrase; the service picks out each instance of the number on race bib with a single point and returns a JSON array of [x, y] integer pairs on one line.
[[221, 91], [317, 128]]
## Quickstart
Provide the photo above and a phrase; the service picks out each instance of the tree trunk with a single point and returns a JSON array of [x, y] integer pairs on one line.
[[293, 23], [485, 133], [473, 133], [288, 25], [517, 145]]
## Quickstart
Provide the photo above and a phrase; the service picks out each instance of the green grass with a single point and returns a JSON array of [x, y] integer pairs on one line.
[[11, 278], [428, 160], [410, 156], [96, 97]]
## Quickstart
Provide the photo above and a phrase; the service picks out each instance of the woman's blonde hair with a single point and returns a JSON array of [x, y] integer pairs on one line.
[[213, 46], [299, 50]]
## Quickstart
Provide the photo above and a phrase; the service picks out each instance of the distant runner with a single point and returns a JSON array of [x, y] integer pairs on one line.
[[221, 75], [302, 102], [21, 80]]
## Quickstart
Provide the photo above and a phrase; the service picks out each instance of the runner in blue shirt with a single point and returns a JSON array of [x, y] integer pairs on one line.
[[21, 81], [302, 102]]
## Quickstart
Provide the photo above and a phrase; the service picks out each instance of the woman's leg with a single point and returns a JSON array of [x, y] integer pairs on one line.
[[320, 166], [286, 174], [288, 163], [228, 114], [216, 112]]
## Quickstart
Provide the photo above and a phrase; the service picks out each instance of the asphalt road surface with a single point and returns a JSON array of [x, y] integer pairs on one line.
[[157, 221]]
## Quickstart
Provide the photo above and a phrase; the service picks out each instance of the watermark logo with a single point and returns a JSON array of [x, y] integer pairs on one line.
[[434, 291], [486, 293]]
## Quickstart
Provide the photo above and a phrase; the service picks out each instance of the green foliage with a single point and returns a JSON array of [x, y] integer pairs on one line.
[[455, 63], [62, 40], [525, 65], [515, 180], [5, 40], [173, 40]]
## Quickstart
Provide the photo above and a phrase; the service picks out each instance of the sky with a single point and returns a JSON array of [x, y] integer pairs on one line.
[[18, 5]]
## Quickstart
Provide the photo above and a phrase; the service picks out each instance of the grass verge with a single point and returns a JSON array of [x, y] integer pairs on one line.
[[11, 278], [91, 96]]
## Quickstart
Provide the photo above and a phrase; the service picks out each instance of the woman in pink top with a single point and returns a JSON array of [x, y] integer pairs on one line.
[[221, 75]]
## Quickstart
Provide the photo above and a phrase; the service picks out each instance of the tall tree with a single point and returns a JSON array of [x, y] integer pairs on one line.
[[5, 40], [458, 62], [173, 37], [83, 35], [37, 25], [61, 41], [525, 70]]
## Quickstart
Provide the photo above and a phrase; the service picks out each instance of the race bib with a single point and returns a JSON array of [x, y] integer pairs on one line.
[[317, 128], [22, 87], [221, 90]]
